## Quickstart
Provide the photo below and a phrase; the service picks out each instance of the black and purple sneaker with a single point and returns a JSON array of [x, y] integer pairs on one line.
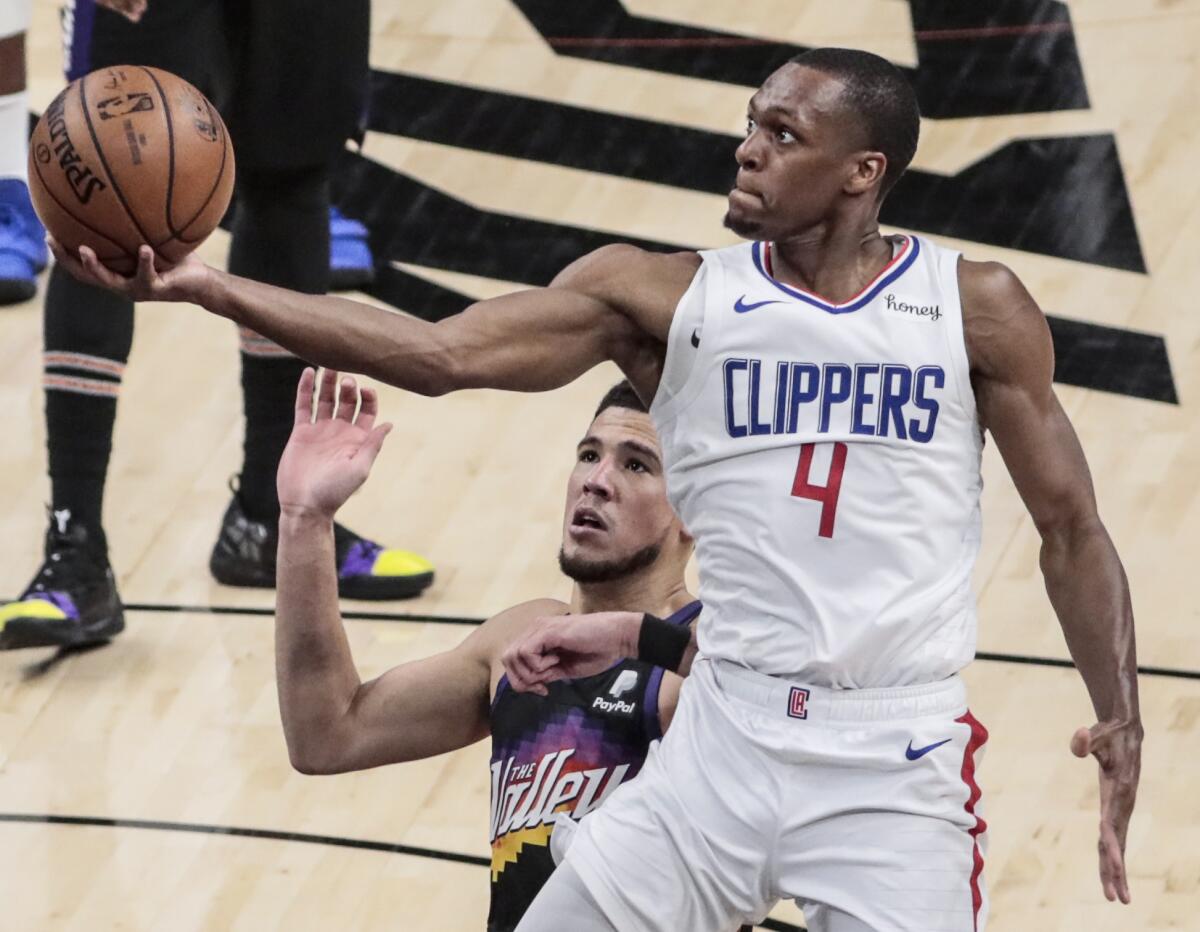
[[72, 600], [244, 555]]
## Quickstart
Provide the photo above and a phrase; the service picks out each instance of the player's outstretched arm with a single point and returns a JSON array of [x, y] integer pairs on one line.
[[615, 304], [1012, 361], [333, 722]]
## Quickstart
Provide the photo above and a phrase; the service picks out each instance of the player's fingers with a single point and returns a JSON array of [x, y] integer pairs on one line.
[[329, 379], [373, 444], [1081, 742], [347, 399], [554, 674], [68, 260], [540, 649], [60, 254], [1112, 867], [304, 392], [519, 675], [529, 664], [98, 273], [146, 274], [368, 408], [541, 662], [512, 667]]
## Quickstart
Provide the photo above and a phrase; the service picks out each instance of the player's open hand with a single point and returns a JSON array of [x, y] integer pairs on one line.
[[1117, 746], [188, 280], [329, 454], [570, 646]]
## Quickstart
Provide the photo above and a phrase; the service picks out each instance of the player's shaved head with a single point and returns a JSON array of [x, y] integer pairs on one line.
[[880, 99]]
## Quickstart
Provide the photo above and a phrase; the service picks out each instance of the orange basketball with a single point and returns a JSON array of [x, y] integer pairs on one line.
[[130, 155]]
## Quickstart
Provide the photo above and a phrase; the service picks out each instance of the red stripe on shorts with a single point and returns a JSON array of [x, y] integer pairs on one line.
[[977, 740]]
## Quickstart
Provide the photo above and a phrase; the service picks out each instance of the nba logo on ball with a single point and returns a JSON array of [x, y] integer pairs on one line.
[[798, 703]]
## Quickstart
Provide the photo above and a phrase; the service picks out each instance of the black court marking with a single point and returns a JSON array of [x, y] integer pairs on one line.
[[1143, 670], [270, 613], [1125, 362], [403, 617], [270, 834], [337, 841], [984, 58], [412, 222], [1064, 197]]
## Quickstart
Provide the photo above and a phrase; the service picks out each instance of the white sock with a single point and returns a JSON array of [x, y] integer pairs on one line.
[[14, 135]]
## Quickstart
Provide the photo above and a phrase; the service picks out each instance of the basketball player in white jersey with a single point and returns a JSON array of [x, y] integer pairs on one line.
[[821, 395]]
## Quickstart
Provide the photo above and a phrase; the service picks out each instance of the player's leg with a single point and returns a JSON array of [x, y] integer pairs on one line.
[[565, 894], [22, 238], [687, 844], [892, 837], [87, 336], [73, 597], [301, 79]]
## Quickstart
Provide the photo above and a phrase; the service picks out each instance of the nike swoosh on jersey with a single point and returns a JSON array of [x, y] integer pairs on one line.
[[914, 753], [742, 307]]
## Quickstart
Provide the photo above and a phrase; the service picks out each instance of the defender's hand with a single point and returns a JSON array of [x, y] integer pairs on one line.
[[1117, 746], [132, 10], [570, 646], [189, 280], [329, 457]]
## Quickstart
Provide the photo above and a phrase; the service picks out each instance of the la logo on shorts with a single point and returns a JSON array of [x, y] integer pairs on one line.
[[798, 703]]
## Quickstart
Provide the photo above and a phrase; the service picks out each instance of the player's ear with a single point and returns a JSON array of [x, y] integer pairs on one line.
[[866, 172]]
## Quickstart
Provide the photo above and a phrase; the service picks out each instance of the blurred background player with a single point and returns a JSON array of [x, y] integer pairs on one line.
[[623, 546], [290, 79], [22, 239]]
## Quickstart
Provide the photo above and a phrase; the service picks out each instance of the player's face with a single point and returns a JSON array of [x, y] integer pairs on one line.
[[802, 152], [617, 517]]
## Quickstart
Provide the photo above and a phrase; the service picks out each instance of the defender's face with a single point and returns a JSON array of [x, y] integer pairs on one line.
[[801, 149], [617, 495]]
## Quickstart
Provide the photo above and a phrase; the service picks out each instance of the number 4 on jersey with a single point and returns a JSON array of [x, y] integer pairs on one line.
[[826, 494]]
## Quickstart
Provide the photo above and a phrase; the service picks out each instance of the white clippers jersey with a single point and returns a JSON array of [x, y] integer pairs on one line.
[[826, 459]]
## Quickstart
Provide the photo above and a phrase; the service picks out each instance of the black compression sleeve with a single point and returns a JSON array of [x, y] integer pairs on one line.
[[662, 643]]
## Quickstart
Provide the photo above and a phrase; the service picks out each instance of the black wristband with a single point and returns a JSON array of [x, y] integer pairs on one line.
[[662, 643]]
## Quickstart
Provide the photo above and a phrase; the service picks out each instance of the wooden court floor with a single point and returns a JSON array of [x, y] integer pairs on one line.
[[146, 785]]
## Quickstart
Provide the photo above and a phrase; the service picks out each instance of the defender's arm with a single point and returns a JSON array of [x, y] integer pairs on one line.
[[1012, 361], [333, 722]]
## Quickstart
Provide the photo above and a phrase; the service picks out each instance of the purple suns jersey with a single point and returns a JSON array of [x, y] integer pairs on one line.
[[564, 753], [826, 457]]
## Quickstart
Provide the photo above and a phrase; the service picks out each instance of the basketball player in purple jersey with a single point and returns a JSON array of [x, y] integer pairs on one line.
[[551, 759], [820, 395]]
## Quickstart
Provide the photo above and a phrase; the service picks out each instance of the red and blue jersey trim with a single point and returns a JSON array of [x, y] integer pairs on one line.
[[892, 271]]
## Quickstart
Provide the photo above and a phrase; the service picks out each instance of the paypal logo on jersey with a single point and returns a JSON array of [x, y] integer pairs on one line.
[[873, 399]]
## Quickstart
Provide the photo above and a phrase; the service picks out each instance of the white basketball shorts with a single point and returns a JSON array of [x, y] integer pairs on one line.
[[861, 805]]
